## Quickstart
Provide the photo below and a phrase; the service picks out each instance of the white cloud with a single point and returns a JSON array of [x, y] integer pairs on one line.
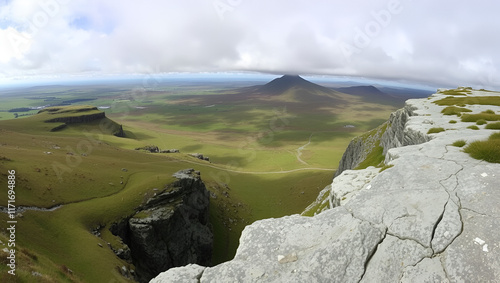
[[438, 42], [16, 44]]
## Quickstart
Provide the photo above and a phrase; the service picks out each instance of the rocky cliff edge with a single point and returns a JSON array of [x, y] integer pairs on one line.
[[432, 215], [172, 229]]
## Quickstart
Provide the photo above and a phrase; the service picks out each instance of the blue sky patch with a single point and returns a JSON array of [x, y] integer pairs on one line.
[[80, 23]]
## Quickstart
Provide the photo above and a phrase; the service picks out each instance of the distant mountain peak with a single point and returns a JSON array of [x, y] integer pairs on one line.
[[296, 88], [286, 82], [291, 78]]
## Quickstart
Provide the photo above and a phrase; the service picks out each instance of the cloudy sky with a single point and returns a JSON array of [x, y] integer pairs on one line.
[[441, 43]]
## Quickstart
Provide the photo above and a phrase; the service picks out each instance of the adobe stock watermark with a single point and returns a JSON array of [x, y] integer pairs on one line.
[[224, 6], [11, 210], [75, 155], [363, 36], [48, 9], [277, 124]]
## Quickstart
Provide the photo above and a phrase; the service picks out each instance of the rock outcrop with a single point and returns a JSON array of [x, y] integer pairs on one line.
[[172, 229], [119, 132], [359, 148], [172, 150], [397, 134], [200, 156], [149, 148], [156, 149], [431, 217], [391, 134]]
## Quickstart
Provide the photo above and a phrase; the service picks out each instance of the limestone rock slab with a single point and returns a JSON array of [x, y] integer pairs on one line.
[[340, 256], [391, 258], [190, 273], [428, 270]]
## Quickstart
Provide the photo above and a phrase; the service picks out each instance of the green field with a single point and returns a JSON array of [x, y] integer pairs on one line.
[[270, 155]]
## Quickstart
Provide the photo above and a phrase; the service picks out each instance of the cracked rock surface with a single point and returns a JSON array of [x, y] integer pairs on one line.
[[432, 217]]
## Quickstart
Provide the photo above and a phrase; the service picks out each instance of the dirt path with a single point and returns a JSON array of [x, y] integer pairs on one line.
[[20, 209], [299, 150], [256, 173]]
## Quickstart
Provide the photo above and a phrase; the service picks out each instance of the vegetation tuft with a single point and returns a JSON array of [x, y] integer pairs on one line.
[[435, 130], [453, 110], [481, 122], [453, 122], [487, 116], [459, 143], [473, 127], [493, 126], [488, 150]]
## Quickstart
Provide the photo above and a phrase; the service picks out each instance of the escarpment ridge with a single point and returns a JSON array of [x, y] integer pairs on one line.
[[428, 213], [65, 115]]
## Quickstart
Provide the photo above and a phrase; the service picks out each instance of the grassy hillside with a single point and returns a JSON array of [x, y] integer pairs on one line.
[[269, 157], [97, 182]]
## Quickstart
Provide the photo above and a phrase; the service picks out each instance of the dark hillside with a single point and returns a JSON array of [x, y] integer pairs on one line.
[[287, 82], [373, 94]]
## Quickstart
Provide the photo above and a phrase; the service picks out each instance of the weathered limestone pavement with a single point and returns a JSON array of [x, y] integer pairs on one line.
[[432, 217]]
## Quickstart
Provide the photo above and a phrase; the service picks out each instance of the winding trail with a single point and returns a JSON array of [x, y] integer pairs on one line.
[[20, 209], [299, 150], [257, 173]]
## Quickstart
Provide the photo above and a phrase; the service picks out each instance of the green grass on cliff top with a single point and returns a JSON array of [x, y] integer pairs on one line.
[[453, 110], [459, 143], [435, 130], [481, 100], [488, 150], [486, 116], [493, 126]]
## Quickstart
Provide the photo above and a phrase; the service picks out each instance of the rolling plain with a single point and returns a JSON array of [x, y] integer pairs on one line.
[[271, 149]]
